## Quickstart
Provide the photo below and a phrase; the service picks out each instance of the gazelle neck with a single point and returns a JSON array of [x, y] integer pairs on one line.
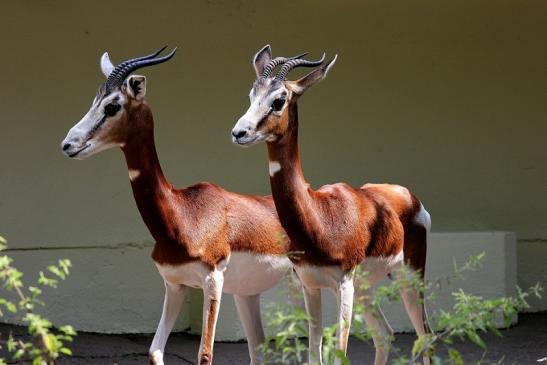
[[140, 151], [289, 187], [150, 187]]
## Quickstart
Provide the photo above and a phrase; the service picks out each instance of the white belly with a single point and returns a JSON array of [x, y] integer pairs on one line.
[[318, 277], [246, 273], [249, 274], [377, 268]]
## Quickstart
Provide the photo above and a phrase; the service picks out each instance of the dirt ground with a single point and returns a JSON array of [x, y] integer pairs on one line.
[[525, 343]]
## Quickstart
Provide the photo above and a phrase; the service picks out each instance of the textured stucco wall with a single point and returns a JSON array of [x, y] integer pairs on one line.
[[118, 290], [448, 98]]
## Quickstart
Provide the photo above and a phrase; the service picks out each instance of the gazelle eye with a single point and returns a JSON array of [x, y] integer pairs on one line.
[[277, 105], [111, 109]]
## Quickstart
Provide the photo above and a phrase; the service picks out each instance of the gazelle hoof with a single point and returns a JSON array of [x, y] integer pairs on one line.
[[205, 359], [156, 358]]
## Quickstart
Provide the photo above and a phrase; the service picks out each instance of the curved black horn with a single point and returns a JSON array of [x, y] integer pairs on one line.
[[288, 66], [120, 72], [152, 55], [277, 61]]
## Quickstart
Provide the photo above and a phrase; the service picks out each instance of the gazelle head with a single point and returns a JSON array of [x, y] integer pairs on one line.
[[106, 123], [267, 116]]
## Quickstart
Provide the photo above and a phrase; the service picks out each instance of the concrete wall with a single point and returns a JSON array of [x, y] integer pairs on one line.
[[447, 98], [118, 290]]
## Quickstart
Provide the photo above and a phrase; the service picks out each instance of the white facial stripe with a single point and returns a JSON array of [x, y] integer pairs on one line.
[[111, 97], [260, 106], [274, 167], [253, 115], [277, 94], [83, 133]]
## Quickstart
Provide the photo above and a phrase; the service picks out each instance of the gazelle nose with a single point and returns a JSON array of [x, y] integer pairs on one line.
[[66, 146], [238, 133]]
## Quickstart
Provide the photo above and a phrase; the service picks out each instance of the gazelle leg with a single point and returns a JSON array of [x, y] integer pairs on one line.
[[381, 331], [212, 293], [174, 297], [415, 308], [345, 306], [312, 300], [248, 308]]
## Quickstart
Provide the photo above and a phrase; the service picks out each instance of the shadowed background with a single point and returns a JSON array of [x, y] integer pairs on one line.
[[446, 98]]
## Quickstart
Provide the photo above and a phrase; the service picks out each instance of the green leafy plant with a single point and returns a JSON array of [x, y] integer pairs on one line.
[[469, 317], [287, 326], [45, 344]]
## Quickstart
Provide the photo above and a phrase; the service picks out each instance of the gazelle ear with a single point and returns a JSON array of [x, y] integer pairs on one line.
[[106, 66], [135, 86], [261, 59], [303, 84]]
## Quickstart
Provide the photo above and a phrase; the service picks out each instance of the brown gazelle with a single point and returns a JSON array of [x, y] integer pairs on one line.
[[336, 227], [206, 237]]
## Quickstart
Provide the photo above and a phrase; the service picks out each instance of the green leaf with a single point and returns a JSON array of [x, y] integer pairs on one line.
[[422, 344], [68, 330], [339, 354], [34, 291], [45, 281], [18, 354], [11, 307], [65, 351], [455, 356], [494, 330], [65, 265], [473, 336], [55, 270]]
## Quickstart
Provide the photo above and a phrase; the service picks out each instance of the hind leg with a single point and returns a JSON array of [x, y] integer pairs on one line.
[[415, 307], [249, 313], [415, 251], [312, 299], [374, 317], [380, 328]]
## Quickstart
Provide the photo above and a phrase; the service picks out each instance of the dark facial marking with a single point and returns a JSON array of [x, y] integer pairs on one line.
[[113, 107], [278, 103], [96, 128]]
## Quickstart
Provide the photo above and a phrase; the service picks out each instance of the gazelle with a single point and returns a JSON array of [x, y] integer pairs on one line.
[[206, 237], [337, 227]]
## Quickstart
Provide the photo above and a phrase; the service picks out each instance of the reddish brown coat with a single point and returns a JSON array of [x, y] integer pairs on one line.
[[202, 222], [338, 224]]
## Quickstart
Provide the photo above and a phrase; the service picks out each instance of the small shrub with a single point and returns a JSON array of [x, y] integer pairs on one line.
[[45, 343], [469, 317]]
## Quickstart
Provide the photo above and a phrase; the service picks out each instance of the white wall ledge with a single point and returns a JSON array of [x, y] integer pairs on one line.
[[118, 290]]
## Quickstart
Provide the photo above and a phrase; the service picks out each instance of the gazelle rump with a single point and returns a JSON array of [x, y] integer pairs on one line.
[[206, 237], [337, 227]]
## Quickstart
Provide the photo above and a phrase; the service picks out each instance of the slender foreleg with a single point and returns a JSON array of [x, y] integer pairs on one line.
[[174, 297], [344, 298], [212, 293]]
